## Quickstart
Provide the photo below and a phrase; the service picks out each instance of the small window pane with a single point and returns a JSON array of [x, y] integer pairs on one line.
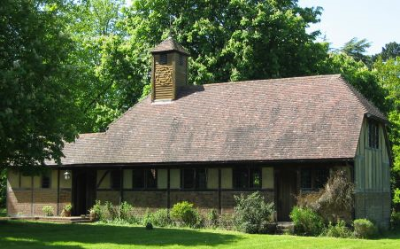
[[163, 59], [151, 177], [45, 181], [115, 179], [321, 177], [188, 178], [138, 178], [373, 134], [305, 179], [181, 60], [240, 178], [201, 179]]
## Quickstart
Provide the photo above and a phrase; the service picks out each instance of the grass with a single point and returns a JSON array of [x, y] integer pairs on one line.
[[21, 234]]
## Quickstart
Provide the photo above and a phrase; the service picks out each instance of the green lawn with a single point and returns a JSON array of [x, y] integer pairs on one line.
[[18, 234]]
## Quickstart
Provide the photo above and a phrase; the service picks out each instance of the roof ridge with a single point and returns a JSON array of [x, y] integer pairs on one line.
[[368, 106], [277, 79]]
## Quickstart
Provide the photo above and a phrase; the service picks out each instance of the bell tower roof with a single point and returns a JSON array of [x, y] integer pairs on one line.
[[169, 45]]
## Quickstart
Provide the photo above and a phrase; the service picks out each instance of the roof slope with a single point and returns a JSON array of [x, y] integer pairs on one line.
[[317, 117], [169, 44]]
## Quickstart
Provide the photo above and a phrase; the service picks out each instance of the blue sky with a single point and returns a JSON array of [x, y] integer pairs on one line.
[[341, 20]]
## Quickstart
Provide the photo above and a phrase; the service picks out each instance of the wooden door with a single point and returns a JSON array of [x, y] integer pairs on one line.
[[286, 192], [84, 190]]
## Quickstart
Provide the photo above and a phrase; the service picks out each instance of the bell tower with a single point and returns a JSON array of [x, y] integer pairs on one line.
[[169, 70]]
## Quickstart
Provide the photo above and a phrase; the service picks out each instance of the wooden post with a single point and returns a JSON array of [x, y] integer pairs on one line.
[[168, 189], [58, 191], [121, 189], [32, 206], [219, 191]]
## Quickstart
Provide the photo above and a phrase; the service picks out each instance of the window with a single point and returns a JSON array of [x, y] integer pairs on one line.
[[247, 178], [311, 179], [144, 178], [373, 134], [194, 178], [115, 179], [45, 181], [181, 60], [163, 59]]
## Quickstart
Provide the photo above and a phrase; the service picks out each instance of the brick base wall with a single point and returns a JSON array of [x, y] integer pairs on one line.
[[142, 200], [373, 206], [110, 196], [19, 202], [44, 197]]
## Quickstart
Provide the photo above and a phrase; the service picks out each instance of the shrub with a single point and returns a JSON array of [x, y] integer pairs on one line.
[[161, 218], [225, 221], [97, 210], [68, 207], [395, 219], [184, 213], [212, 218], [125, 211], [48, 210], [364, 228], [335, 201], [306, 221], [339, 230], [252, 214]]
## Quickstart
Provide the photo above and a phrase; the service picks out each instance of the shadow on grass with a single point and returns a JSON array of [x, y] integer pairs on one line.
[[19, 234]]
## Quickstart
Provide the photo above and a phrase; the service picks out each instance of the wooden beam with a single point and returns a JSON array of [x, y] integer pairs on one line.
[[219, 191], [168, 189], [58, 192], [121, 188]]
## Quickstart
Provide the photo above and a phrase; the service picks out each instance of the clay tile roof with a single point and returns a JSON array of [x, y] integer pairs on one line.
[[304, 118], [169, 45]]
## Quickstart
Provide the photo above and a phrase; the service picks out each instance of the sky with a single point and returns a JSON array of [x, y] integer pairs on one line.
[[378, 21]]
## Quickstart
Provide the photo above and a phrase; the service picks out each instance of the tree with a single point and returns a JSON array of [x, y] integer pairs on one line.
[[388, 75], [228, 40], [356, 49], [105, 87], [37, 111], [391, 50]]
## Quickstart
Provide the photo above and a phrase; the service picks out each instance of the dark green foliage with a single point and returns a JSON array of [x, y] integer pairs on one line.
[[390, 51], [212, 218], [252, 214], [184, 214], [395, 219], [3, 187], [161, 218], [339, 230], [364, 228], [230, 40], [306, 222], [356, 49], [149, 226], [37, 107]]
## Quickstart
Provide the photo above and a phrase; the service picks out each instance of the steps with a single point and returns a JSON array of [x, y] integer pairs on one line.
[[285, 227]]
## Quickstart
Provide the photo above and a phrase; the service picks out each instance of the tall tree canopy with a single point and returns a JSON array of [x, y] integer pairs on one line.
[[37, 110], [230, 39]]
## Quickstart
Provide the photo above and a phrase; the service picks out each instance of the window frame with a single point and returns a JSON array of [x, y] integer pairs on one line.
[[115, 174], [144, 175], [196, 173], [313, 178], [250, 173], [373, 134], [163, 59], [42, 181]]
